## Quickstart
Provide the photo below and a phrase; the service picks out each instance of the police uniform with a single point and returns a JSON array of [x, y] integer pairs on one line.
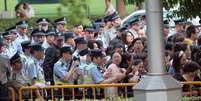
[[110, 34], [45, 44], [43, 22], [35, 66], [18, 78], [14, 44], [20, 38], [79, 40], [8, 49], [25, 57], [62, 68], [4, 77], [62, 21], [132, 22]]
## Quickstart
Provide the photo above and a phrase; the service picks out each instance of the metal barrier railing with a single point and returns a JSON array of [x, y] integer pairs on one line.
[[84, 87], [73, 87], [13, 96], [190, 93]]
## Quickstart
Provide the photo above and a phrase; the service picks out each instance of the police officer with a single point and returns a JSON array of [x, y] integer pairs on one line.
[[65, 69], [111, 33], [12, 30], [36, 73], [69, 39], [8, 48], [89, 33], [18, 78], [52, 55], [13, 33], [134, 27], [5, 71], [95, 68], [37, 36], [81, 44], [22, 29], [43, 24], [50, 37], [25, 56], [60, 24]]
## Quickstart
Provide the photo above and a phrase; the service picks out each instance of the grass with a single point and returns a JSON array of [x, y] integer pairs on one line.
[[96, 7]]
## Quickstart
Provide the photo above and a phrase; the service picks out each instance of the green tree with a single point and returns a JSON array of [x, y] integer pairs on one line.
[[187, 9], [77, 11]]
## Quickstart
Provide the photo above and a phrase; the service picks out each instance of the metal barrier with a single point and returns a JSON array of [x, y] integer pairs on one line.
[[84, 87], [13, 96], [73, 87], [190, 93]]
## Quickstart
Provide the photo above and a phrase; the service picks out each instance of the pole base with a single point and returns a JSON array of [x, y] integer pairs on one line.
[[158, 88]]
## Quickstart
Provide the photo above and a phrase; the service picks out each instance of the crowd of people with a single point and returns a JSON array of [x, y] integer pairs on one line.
[[103, 53]]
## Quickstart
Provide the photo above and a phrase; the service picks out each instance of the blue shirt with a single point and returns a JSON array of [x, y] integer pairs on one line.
[[97, 76], [61, 69]]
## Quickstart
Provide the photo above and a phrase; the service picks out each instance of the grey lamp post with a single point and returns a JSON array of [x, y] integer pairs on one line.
[[157, 85]]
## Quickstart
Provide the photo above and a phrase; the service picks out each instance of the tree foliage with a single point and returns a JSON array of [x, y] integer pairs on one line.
[[187, 8], [77, 11]]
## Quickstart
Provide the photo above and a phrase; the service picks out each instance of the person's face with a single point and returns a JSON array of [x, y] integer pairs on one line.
[[116, 58], [14, 36], [99, 61], [165, 31], [70, 41], [23, 30], [7, 40], [138, 46], [117, 22], [67, 56], [17, 65], [136, 27], [183, 59], [89, 35], [61, 26], [39, 54], [79, 29], [194, 36], [39, 38], [129, 38], [119, 50], [140, 67], [44, 26], [50, 38], [59, 42]]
